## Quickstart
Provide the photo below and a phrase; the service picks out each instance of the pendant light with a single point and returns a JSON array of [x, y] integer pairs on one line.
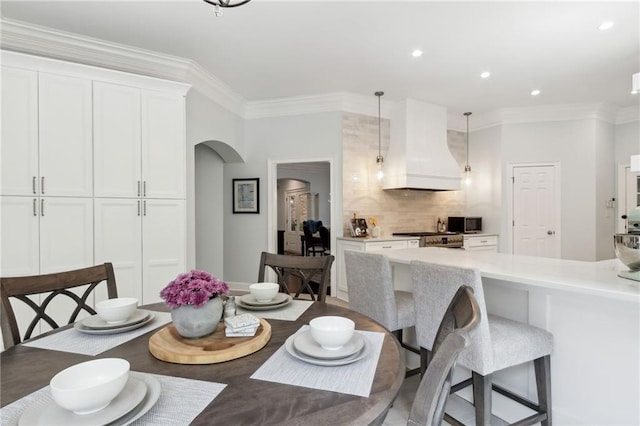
[[218, 5], [467, 167], [379, 158]]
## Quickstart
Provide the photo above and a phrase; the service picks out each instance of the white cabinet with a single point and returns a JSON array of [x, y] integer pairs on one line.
[[481, 242], [84, 148], [139, 142], [46, 145], [19, 149], [145, 241], [366, 245], [117, 142], [45, 235], [163, 145]]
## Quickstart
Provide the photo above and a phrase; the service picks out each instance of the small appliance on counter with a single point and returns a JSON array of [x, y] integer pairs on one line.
[[627, 246], [465, 224]]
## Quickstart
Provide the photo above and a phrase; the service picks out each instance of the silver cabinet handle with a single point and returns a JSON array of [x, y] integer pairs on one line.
[[138, 190], [34, 207], [41, 207], [33, 184], [138, 207], [384, 247], [550, 232], [144, 188], [42, 185], [144, 208]]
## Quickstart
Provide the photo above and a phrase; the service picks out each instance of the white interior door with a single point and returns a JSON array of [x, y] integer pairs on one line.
[[536, 211]]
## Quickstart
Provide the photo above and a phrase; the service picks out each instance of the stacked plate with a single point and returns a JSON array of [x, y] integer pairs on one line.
[[138, 397], [96, 325], [303, 347], [249, 302]]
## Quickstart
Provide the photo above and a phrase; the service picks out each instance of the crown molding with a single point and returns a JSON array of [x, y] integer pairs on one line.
[[314, 104], [47, 42], [628, 115]]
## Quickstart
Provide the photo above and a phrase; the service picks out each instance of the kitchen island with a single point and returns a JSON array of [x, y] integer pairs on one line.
[[593, 314]]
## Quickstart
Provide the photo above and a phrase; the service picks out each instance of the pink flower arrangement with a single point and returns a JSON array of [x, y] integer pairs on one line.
[[193, 288]]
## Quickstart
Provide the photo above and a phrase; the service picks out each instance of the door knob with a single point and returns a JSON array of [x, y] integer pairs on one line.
[[550, 232]]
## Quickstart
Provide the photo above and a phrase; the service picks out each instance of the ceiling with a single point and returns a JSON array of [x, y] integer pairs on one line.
[[273, 49]]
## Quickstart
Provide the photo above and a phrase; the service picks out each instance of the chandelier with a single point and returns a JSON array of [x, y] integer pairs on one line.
[[218, 5]]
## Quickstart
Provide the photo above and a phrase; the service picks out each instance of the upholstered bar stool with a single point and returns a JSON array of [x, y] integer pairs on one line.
[[496, 344], [370, 288]]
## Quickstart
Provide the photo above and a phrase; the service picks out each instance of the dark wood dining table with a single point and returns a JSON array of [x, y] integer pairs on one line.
[[244, 401]]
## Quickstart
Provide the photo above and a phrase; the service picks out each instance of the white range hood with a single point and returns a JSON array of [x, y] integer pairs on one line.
[[418, 156]]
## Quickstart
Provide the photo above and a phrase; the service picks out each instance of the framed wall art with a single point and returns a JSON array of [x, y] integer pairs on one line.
[[246, 195]]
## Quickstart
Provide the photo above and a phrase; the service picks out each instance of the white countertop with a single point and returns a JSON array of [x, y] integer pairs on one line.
[[589, 278], [377, 239]]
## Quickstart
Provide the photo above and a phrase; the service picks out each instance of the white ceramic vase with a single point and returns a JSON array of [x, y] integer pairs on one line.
[[193, 322]]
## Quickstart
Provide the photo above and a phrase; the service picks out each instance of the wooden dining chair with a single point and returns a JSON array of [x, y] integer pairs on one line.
[[57, 285], [459, 320], [310, 271]]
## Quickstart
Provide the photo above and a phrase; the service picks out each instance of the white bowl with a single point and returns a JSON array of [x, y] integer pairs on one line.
[[264, 292], [89, 386], [118, 310], [332, 332]]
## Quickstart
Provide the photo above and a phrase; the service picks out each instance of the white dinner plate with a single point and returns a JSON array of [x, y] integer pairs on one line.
[[98, 323], [81, 328], [249, 299], [304, 344], [366, 350], [153, 394], [243, 305], [52, 414]]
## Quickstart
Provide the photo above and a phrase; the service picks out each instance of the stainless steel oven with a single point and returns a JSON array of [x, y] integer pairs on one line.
[[436, 239]]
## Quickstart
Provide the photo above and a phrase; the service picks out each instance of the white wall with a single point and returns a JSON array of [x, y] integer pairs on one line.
[[206, 121], [284, 139], [627, 141], [209, 238], [605, 189], [572, 144], [484, 193]]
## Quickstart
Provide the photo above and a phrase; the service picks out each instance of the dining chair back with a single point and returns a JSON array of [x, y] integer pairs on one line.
[[56, 285], [431, 397], [325, 237], [497, 343], [313, 245], [309, 271]]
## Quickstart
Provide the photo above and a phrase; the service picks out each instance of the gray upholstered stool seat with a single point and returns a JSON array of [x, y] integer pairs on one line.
[[496, 344], [370, 288], [513, 343]]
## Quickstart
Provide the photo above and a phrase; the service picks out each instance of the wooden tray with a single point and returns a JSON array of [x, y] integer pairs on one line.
[[168, 345]]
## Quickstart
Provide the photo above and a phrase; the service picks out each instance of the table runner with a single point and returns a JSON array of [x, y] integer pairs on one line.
[[74, 341], [181, 400], [353, 379], [291, 312]]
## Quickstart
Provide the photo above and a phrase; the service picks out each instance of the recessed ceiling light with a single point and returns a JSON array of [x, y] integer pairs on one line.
[[605, 25], [416, 53], [485, 74], [535, 92]]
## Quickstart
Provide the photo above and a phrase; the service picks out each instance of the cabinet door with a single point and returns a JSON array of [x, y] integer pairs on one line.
[[163, 145], [66, 234], [163, 245], [65, 136], [20, 235], [116, 141], [118, 239], [19, 149]]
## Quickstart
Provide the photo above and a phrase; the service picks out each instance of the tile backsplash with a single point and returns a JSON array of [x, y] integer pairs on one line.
[[395, 210]]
